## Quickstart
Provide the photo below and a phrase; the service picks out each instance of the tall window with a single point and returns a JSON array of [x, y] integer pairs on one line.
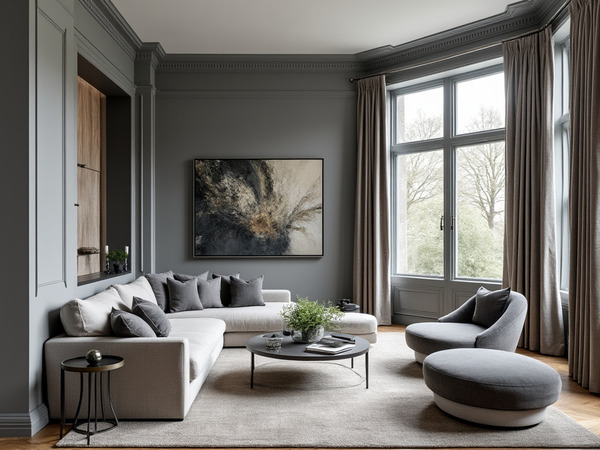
[[448, 171]]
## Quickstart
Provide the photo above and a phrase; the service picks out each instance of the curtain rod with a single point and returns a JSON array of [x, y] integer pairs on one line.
[[465, 52]]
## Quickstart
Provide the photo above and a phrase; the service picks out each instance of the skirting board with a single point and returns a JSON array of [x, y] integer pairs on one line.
[[24, 424]]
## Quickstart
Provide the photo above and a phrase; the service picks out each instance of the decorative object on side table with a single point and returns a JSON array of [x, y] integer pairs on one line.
[[117, 257], [93, 357], [308, 320]]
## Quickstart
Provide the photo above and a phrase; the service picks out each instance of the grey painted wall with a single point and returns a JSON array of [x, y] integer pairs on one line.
[[38, 168], [14, 204], [257, 115]]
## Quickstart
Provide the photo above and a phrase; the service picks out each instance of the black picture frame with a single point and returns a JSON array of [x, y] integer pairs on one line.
[[258, 207]]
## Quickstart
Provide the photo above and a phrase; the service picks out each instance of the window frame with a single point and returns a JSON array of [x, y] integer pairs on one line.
[[449, 142], [561, 151]]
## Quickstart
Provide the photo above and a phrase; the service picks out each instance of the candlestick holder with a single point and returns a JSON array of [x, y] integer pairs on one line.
[[107, 269], [125, 265]]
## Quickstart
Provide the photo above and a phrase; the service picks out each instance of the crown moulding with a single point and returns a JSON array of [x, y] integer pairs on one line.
[[518, 18], [266, 66]]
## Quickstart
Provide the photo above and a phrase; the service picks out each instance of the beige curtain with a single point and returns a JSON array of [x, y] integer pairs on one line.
[[584, 195], [530, 237], [371, 287]]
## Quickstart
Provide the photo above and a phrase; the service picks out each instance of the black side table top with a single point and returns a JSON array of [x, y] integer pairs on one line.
[[80, 364]]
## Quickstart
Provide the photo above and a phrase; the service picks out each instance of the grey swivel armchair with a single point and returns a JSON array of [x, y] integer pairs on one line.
[[487, 320]]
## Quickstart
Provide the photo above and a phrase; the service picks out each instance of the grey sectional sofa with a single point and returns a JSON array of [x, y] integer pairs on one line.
[[162, 375]]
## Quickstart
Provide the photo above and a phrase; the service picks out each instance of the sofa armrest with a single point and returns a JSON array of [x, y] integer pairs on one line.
[[277, 295], [505, 333], [159, 368]]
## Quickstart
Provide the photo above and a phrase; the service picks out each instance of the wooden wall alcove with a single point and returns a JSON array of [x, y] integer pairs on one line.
[[91, 177]]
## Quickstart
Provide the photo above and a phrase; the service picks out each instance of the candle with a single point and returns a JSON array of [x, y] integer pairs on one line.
[[127, 249], [106, 249]]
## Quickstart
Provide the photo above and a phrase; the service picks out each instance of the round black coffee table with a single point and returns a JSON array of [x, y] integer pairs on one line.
[[290, 350]]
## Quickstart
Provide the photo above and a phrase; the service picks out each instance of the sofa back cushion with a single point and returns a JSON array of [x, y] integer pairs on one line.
[[139, 288], [91, 316]]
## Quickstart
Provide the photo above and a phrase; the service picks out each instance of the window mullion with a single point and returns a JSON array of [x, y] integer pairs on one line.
[[449, 180]]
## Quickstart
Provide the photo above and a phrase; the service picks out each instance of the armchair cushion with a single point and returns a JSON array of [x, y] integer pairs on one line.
[[489, 306]]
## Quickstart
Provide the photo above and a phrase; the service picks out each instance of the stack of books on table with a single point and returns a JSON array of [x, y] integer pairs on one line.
[[331, 345]]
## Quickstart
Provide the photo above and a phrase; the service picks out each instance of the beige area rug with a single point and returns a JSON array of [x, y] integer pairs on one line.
[[326, 405]]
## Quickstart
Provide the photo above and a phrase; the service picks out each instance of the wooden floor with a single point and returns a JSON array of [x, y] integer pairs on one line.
[[574, 401]]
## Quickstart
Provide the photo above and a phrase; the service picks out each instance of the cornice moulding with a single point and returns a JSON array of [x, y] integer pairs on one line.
[[114, 24], [518, 19], [277, 63]]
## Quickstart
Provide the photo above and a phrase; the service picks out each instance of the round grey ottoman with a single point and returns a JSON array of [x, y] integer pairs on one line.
[[491, 387]]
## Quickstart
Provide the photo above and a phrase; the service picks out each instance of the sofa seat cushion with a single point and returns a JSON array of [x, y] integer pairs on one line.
[[256, 319], [430, 337], [205, 336]]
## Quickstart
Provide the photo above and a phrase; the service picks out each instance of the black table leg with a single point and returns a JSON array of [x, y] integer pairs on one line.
[[251, 370], [62, 401], [367, 369]]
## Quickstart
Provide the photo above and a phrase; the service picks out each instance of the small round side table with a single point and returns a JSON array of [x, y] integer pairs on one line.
[[108, 363]]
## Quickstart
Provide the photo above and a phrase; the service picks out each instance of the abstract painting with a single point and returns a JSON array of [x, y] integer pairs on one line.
[[258, 207]]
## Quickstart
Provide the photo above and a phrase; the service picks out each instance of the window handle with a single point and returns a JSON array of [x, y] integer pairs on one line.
[[452, 224], [442, 222]]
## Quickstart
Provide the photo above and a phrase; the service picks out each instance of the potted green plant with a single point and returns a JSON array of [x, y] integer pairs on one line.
[[307, 320], [117, 258]]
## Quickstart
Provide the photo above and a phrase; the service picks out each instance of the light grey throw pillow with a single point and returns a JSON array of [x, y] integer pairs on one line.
[[153, 315], [126, 324], [183, 295], [489, 306], [247, 293], [209, 292]]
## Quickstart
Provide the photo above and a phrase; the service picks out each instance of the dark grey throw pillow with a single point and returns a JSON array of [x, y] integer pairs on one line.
[[183, 295], [158, 283], [126, 324], [209, 292], [247, 293], [153, 315], [489, 306], [225, 287], [184, 277]]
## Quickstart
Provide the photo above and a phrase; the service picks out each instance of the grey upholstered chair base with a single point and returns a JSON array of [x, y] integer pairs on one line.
[[457, 329], [491, 387], [429, 337]]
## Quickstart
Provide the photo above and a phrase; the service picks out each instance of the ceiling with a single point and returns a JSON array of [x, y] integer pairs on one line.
[[344, 27]]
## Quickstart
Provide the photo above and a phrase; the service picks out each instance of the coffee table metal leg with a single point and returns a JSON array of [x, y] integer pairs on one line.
[[251, 370], [367, 369]]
